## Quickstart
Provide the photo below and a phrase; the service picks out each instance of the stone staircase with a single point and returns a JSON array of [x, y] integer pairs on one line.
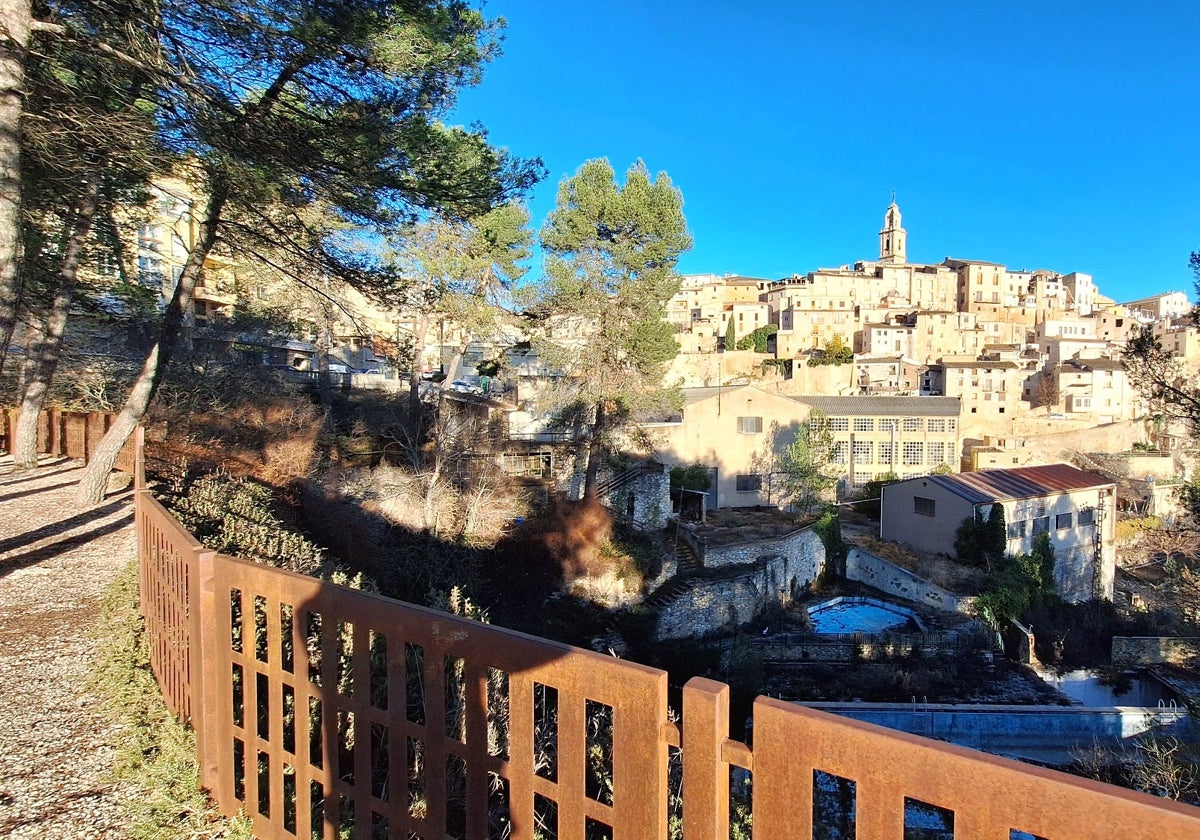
[[688, 564]]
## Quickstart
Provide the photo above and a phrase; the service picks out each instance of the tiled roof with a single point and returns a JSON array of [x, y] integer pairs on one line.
[[970, 262], [695, 395], [1017, 482], [884, 406], [990, 364], [1097, 364]]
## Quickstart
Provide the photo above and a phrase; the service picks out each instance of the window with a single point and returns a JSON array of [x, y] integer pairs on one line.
[[1063, 520], [937, 425], [923, 506], [749, 483], [885, 452], [936, 452], [861, 477], [107, 265], [839, 424], [1016, 530], [863, 452], [750, 425], [887, 424], [1041, 525], [913, 452], [912, 424], [1087, 516], [840, 450], [864, 424], [951, 425]]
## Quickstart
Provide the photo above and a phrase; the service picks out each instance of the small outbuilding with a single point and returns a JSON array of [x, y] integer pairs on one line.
[[1076, 508]]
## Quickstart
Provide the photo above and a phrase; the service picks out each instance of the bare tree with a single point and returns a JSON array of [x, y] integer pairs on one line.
[[1045, 393]]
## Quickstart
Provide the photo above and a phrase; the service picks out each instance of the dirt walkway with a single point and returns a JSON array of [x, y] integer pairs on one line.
[[55, 562]]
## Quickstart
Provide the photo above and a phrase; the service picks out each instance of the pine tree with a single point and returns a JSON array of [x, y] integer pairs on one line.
[[290, 105], [610, 262]]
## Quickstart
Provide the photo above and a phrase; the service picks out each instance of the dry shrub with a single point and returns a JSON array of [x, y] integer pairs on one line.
[[291, 457], [576, 536], [275, 440], [489, 508], [403, 498], [477, 513]]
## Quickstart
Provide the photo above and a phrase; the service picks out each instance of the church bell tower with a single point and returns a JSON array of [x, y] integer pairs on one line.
[[893, 238]]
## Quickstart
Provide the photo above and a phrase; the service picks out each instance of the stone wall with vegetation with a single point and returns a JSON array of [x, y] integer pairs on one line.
[[712, 605], [1128, 651], [796, 544], [843, 648], [864, 567]]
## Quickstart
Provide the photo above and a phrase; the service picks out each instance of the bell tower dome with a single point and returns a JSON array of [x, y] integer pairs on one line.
[[893, 238]]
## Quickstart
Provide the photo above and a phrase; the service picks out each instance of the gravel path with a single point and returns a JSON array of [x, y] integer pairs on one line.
[[55, 562]]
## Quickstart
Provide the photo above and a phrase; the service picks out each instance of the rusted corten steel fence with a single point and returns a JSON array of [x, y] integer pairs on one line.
[[73, 434], [322, 711]]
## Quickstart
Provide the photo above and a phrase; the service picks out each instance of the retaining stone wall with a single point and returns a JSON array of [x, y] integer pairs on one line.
[[1128, 651], [887, 577], [710, 606], [793, 544], [849, 647]]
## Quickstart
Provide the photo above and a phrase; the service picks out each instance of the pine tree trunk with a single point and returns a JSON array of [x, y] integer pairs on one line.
[[414, 376], [94, 482], [15, 18], [43, 352], [595, 452]]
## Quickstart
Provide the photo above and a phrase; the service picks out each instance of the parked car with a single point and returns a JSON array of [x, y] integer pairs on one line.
[[371, 371], [462, 386]]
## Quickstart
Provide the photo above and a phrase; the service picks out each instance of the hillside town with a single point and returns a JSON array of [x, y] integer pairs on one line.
[[961, 365], [352, 487]]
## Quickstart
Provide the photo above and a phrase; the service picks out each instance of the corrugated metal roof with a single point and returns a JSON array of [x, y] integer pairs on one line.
[[1017, 482], [884, 406]]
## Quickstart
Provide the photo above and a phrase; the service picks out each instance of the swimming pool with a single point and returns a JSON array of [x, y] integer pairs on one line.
[[862, 615]]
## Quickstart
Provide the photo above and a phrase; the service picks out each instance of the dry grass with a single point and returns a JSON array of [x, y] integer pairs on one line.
[[155, 753], [941, 571], [727, 526]]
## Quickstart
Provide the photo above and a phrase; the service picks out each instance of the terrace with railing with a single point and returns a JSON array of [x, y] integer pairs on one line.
[[322, 711]]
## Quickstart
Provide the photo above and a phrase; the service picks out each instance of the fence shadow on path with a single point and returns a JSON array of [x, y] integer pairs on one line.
[[8, 565]]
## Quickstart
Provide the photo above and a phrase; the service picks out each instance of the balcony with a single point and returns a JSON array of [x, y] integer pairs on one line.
[[328, 712], [216, 292]]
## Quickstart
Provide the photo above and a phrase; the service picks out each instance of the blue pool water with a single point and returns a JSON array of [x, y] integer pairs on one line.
[[846, 615]]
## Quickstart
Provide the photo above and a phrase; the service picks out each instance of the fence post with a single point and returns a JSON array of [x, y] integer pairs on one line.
[[705, 773], [204, 681], [139, 458]]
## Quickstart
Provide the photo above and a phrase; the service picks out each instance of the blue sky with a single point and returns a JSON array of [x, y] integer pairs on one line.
[[1054, 135]]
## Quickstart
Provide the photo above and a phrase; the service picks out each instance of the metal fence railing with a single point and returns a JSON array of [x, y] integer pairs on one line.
[[71, 434], [322, 711]]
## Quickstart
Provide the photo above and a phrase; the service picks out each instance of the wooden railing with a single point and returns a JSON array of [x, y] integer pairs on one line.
[[70, 434], [322, 711]]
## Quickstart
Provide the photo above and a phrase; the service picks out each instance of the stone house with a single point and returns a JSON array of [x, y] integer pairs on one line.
[[735, 430], [740, 431], [1074, 507]]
